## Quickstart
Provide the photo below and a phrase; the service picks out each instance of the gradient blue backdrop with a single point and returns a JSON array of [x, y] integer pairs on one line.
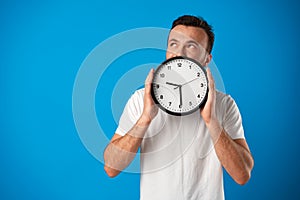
[[43, 43]]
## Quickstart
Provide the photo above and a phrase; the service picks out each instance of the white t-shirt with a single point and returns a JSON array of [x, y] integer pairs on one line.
[[178, 160]]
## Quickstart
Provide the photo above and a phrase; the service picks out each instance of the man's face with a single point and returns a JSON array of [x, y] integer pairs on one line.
[[188, 41]]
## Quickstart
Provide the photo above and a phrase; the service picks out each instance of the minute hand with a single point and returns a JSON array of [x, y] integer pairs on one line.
[[180, 94], [186, 83]]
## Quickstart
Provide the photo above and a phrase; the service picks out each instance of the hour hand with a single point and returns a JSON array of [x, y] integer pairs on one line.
[[172, 84]]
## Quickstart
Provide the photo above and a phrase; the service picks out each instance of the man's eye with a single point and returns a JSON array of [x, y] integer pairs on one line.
[[191, 46], [173, 44]]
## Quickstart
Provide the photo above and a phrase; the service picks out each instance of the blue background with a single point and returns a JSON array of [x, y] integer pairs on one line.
[[43, 43]]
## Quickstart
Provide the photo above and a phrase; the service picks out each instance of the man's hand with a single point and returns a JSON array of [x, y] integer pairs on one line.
[[150, 109], [208, 112]]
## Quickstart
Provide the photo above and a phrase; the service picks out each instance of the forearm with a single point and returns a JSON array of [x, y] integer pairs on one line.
[[120, 152], [234, 157]]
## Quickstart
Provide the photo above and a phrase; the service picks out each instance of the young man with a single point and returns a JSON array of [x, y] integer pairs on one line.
[[182, 157]]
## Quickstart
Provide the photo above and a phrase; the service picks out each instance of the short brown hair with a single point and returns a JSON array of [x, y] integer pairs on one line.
[[189, 20]]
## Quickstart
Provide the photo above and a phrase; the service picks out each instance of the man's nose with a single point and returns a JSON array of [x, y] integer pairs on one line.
[[179, 52]]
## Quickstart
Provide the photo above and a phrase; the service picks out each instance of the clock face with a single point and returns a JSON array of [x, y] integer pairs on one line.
[[180, 86]]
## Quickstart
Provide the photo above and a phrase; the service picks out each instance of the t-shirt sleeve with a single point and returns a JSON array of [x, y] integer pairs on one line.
[[232, 122], [131, 113]]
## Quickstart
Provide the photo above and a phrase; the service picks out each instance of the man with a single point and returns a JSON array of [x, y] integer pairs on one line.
[[182, 157]]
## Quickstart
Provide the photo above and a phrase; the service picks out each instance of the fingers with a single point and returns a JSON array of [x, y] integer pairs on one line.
[[149, 81], [150, 109], [211, 82]]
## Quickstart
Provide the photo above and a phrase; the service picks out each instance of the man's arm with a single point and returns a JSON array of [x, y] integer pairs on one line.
[[122, 149], [234, 155]]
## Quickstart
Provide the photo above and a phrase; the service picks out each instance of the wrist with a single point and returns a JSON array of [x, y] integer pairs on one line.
[[144, 121], [140, 127], [215, 128]]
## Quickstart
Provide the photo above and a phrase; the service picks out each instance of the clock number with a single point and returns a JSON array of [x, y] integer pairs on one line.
[[198, 96], [190, 103], [198, 74], [201, 84], [190, 66], [161, 96], [157, 86], [169, 67], [179, 64], [170, 103], [162, 75], [180, 106]]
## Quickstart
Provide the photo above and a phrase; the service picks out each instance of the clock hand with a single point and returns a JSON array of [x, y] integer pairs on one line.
[[173, 84], [186, 83], [180, 94]]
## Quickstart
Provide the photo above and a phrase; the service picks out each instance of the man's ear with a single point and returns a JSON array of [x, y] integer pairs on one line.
[[207, 60]]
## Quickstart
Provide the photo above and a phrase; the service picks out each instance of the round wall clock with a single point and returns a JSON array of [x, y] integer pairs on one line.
[[180, 86]]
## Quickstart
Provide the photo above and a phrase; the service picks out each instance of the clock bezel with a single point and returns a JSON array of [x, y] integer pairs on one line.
[[202, 103]]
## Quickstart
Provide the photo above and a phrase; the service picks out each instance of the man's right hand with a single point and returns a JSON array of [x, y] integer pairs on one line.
[[150, 109]]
